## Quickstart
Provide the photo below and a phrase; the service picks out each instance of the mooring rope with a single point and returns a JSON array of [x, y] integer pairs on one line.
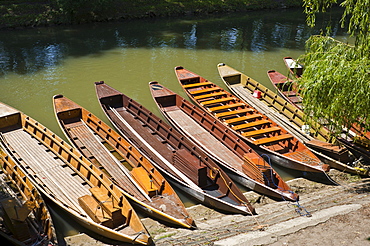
[[301, 210]]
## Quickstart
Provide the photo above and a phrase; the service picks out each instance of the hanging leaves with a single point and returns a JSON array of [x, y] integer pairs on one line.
[[336, 78]]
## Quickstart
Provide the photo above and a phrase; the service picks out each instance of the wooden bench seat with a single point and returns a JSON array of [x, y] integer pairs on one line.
[[91, 206], [108, 205], [197, 84], [207, 90], [251, 124], [289, 93], [225, 107], [215, 94], [186, 163], [277, 138], [242, 118], [295, 99], [15, 218], [141, 177], [221, 100], [234, 112], [261, 131]]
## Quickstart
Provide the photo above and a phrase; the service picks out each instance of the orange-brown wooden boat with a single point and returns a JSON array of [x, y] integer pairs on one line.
[[141, 182], [179, 160], [286, 88], [69, 180], [317, 137], [240, 162], [256, 129]]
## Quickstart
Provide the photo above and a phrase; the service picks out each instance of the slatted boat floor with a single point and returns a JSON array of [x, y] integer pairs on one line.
[[202, 136], [272, 114], [93, 143], [58, 177]]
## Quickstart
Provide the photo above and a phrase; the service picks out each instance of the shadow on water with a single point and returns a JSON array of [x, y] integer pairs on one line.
[[27, 51]]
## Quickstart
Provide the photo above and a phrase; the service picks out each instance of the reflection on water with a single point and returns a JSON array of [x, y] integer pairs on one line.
[[39, 63]]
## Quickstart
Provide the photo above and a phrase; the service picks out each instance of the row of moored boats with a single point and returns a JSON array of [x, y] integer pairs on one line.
[[104, 176]]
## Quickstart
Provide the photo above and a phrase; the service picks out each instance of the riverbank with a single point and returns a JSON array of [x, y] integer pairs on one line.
[[34, 13], [326, 215]]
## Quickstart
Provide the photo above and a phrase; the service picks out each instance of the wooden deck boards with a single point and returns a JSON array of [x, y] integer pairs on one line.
[[202, 136], [106, 159], [48, 167]]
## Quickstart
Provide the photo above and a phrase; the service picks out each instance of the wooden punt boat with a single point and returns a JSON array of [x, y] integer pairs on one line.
[[255, 128], [179, 160], [317, 138], [69, 180], [286, 88], [105, 148], [295, 69], [240, 162], [354, 140], [24, 216]]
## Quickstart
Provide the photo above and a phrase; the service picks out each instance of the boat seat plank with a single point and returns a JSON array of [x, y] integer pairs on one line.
[[94, 210], [108, 205], [261, 131], [295, 99], [233, 112], [190, 166], [277, 138], [141, 176], [221, 100], [289, 93], [250, 124], [215, 94], [207, 90], [225, 107], [197, 84], [242, 118]]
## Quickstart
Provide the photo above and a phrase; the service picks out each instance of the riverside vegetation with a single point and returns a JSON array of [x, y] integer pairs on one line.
[[32, 13]]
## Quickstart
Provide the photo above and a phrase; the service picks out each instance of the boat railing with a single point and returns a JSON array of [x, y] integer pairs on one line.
[[19, 179], [79, 164]]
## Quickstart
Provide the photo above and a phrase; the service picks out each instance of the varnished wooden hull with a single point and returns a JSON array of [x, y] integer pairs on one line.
[[179, 160], [69, 180], [286, 88], [257, 129], [138, 178], [222, 145], [17, 190]]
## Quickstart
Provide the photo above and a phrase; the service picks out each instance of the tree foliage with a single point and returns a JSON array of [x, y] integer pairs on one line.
[[336, 78], [78, 10]]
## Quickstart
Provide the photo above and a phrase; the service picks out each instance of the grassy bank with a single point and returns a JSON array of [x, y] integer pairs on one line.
[[31, 13]]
